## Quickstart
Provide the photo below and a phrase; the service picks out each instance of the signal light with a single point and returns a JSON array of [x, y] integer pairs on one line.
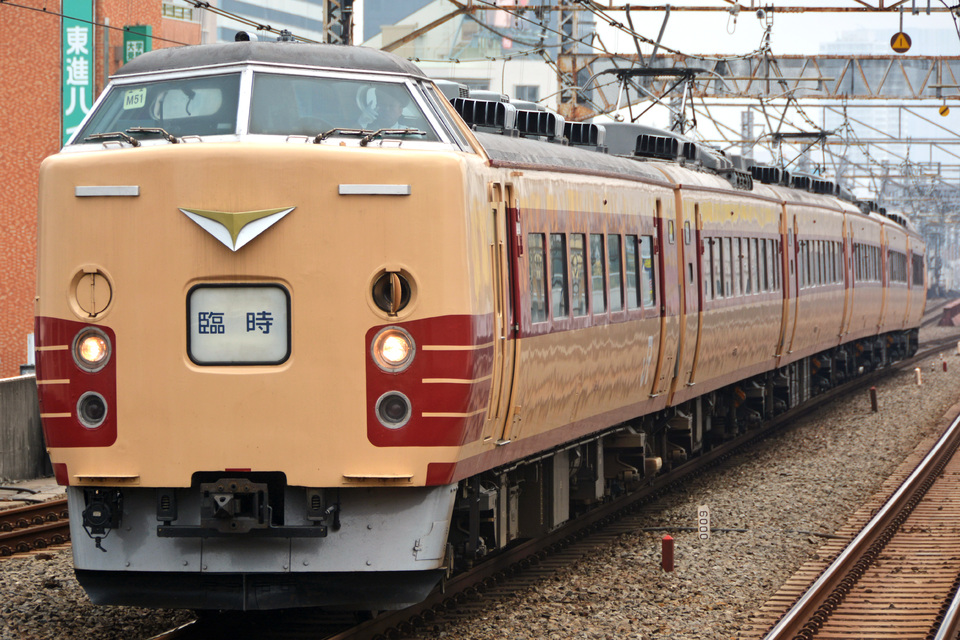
[[393, 410], [91, 410]]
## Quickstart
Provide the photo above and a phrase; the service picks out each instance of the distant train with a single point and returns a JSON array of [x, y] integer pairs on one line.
[[309, 334]]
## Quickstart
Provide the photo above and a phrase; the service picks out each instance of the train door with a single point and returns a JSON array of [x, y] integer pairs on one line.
[[670, 299], [789, 282], [692, 290], [505, 250], [698, 252], [884, 274], [848, 288]]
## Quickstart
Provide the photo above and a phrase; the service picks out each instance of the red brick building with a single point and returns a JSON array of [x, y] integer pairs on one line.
[[30, 130]]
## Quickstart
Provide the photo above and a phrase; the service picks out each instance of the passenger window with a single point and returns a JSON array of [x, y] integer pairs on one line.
[[728, 277], [821, 265], [737, 256], [558, 276], [707, 268], [764, 266], [755, 265], [686, 232], [716, 245], [817, 271], [632, 272], [598, 284], [648, 282], [538, 280], [804, 263], [834, 271], [777, 264], [615, 266], [748, 270], [578, 274]]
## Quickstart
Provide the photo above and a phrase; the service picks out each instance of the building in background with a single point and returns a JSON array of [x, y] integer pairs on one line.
[[303, 18], [52, 70], [474, 49]]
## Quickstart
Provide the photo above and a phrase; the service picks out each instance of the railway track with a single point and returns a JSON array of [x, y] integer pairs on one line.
[[519, 566], [33, 527], [897, 576]]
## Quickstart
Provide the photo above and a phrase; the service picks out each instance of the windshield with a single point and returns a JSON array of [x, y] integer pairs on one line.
[[308, 106], [200, 106], [281, 104]]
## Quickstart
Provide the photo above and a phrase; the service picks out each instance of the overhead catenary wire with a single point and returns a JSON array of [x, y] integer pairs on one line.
[[90, 22], [200, 4]]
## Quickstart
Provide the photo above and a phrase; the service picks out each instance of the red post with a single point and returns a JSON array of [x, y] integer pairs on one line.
[[667, 554], [873, 400], [944, 365]]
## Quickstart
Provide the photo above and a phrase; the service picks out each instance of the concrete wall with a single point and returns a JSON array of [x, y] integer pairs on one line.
[[23, 454]]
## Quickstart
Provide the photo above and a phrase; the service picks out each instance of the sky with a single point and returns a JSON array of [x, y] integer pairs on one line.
[[800, 33], [716, 33]]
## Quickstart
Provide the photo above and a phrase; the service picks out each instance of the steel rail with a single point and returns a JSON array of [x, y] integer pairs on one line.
[[35, 526], [950, 626], [814, 607]]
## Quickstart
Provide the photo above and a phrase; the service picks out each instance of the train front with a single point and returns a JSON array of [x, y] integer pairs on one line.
[[252, 258]]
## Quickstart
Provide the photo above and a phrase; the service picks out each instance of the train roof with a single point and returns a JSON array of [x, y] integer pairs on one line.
[[328, 56], [507, 150]]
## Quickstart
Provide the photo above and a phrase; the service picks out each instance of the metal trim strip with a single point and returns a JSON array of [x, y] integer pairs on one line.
[[374, 189], [107, 191]]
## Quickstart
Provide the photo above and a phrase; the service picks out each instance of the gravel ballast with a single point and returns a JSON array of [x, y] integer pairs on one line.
[[787, 492]]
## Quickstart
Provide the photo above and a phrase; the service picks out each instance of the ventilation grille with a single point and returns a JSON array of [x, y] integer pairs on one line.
[[814, 184], [583, 134], [767, 175], [486, 113], [649, 146], [739, 179], [539, 123]]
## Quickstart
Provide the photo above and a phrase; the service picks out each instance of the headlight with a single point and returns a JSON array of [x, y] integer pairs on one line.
[[391, 292], [91, 349], [393, 349]]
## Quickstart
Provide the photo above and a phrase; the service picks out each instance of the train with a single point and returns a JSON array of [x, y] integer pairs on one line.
[[313, 330]]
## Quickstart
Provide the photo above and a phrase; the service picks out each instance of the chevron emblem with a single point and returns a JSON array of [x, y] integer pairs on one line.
[[235, 229]]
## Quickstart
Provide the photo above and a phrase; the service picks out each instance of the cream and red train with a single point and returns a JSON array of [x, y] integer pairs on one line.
[[294, 350]]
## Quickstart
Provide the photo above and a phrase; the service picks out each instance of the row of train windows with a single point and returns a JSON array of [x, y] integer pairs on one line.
[[821, 262], [739, 266], [594, 272]]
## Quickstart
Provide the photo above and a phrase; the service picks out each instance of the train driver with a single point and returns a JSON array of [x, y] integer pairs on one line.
[[382, 107]]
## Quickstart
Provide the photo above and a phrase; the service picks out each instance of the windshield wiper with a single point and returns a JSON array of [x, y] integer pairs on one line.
[[160, 131], [392, 132], [342, 131], [368, 134], [133, 142]]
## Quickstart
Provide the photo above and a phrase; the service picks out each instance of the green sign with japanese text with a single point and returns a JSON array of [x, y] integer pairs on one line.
[[136, 40], [77, 58]]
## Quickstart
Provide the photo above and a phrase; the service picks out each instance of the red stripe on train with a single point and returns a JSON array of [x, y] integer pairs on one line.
[[448, 383], [60, 383]]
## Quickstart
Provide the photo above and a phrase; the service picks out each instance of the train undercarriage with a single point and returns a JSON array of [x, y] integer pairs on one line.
[[499, 507]]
